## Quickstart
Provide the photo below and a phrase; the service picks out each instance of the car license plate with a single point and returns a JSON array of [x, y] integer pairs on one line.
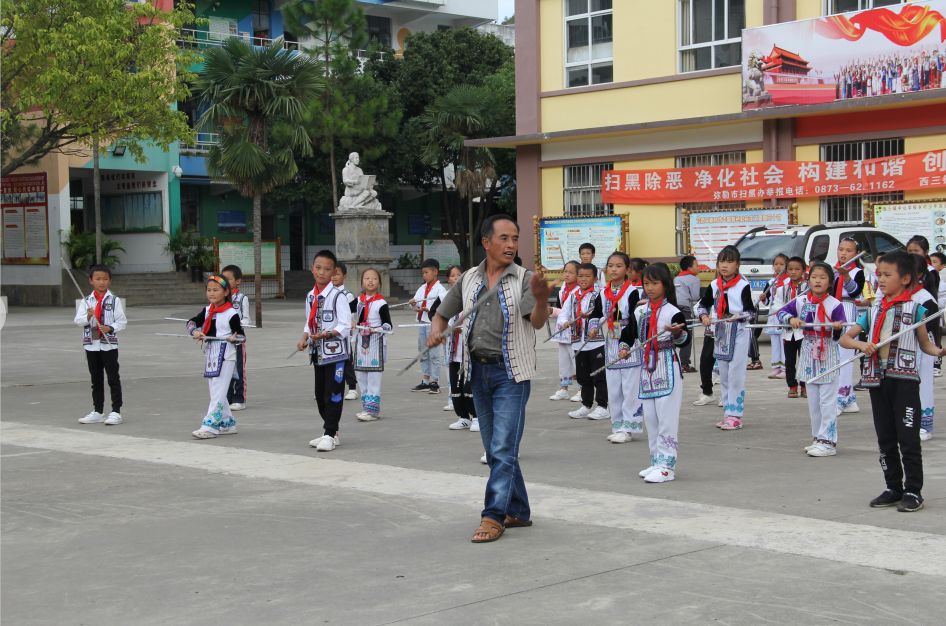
[[758, 284]]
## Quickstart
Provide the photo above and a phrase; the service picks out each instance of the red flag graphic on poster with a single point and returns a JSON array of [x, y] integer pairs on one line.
[[775, 179]]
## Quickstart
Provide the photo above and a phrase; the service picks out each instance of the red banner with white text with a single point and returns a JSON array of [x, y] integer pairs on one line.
[[775, 179]]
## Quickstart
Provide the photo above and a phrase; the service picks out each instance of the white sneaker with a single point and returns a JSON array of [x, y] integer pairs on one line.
[[811, 445], [113, 419], [852, 408], [620, 437], [225, 430], [92, 418], [719, 402], [561, 394], [599, 413], [325, 443], [364, 416], [925, 435], [460, 424], [237, 406], [644, 472], [660, 475], [575, 398], [475, 426], [351, 395], [579, 413], [483, 459], [703, 400], [937, 372], [448, 406], [200, 433], [822, 449]]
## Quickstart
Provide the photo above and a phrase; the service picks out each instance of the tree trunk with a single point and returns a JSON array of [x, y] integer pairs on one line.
[[258, 256], [459, 240], [97, 192], [331, 160]]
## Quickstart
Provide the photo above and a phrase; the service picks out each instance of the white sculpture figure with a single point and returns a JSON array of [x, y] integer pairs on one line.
[[359, 189]]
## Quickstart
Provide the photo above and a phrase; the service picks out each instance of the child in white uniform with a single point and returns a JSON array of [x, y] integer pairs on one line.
[[236, 394], [791, 339], [425, 303], [370, 344], [728, 306], [848, 287], [221, 321], [661, 327], [582, 313], [566, 356], [770, 296], [928, 280], [819, 317]]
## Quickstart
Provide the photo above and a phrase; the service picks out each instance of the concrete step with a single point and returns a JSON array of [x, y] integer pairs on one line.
[[159, 288]]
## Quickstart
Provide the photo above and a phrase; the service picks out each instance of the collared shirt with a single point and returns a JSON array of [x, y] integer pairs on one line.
[[486, 336]]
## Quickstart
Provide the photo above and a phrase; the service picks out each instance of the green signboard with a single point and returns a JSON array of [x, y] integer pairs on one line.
[[241, 253]]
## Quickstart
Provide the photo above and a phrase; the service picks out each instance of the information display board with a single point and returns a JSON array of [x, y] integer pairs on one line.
[[241, 253], [444, 250], [558, 238], [707, 231], [24, 203], [903, 220]]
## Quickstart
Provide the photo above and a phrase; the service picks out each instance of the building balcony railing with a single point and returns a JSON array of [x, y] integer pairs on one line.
[[200, 39], [202, 145]]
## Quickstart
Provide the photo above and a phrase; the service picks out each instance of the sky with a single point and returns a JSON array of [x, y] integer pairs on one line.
[[506, 8]]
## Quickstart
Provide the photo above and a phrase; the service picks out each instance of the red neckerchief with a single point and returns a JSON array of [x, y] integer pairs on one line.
[[615, 300], [313, 312], [651, 338], [885, 305], [637, 284], [821, 317], [722, 304], [365, 305], [794, 288], [423, 305], [566, 290], [839, 290], [98, 310], [686, 273], [579, 317], [212, 310], [234, 291]]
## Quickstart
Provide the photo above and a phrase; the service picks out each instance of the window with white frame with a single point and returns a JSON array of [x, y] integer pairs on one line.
[[711, 159], [843, 6], [583, 190], [710, 33], [846, 209], [589, 57]]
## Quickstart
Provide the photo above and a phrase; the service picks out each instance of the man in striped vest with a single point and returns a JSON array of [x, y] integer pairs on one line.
[[500, 361]]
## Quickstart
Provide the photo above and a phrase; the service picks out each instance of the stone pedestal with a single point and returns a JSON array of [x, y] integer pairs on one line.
[[362, 242]]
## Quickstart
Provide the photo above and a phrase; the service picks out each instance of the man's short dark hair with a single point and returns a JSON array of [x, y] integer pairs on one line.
[[99, 268], [687, 262], [589, 267], [434, 263], [326, 254], [235, 270], [341, 266], [489, 224], [587, 246]]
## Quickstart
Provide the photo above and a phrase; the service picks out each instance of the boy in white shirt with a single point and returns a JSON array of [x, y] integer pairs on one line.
[[425, 303]]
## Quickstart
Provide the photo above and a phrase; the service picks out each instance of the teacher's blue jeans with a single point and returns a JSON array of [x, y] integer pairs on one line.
[[501, 407]]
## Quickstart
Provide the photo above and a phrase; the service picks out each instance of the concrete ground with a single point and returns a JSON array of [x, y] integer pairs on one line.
[[141, 524]]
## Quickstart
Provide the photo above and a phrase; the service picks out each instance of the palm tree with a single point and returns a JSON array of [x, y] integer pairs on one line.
[[458, 115], [248, 91]]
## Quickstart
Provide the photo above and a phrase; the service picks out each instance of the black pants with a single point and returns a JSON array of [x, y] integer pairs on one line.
[[754, 345], [237, 390], [706, 365], [461, 392], [792, 349], [896, 406], [330, 394], [104, 363], [593, 388], [350, 373]]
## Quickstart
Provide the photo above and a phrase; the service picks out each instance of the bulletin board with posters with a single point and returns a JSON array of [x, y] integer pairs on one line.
[[557, 239], [706, 231], [444, 250], [240, 253], [907, 218], [24, 202]]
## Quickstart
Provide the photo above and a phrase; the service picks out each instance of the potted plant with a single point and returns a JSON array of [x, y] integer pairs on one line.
[[177, 247], [81, 250], [200, 257]]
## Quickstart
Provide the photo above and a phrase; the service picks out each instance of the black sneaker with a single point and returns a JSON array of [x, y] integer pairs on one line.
[[888, 498], [433, 388], [424, 386], [911, 502]]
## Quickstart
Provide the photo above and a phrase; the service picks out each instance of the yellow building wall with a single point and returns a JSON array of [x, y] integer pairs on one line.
[[651, 227], [808, 9], [552, 45], [809, 209], [553, 192]]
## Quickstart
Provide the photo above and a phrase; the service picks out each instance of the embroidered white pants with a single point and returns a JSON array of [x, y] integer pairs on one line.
[[823, 409], [778, 351], [925, 365], [623, 400], [218, 412], [662, 417], [846, 396], [566, 365], [370, 385], [732, 377]]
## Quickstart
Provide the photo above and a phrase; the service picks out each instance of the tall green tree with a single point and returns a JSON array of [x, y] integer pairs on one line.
[[255, 97]]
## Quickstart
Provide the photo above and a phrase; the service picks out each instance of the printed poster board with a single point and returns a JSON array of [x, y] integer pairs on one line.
[[903, 220], [444, 250], [24, 202], [707, 231], [241, 253], [558, 238]]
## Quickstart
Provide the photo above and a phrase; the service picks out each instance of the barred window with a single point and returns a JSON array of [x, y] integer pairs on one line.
[[842, 6], [589, 55], [850, 208], [705, 160], [583, 190]]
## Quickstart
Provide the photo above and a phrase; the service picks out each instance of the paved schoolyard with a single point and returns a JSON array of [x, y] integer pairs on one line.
[[141, 524]]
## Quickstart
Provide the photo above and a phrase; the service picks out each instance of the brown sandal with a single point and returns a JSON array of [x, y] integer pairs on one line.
[[515, 522], [489, 530]]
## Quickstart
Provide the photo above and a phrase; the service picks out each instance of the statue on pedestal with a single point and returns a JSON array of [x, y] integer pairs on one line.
[[359, 188]]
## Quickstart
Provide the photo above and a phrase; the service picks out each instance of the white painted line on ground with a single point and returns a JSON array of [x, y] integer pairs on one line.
[[856, 544]]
